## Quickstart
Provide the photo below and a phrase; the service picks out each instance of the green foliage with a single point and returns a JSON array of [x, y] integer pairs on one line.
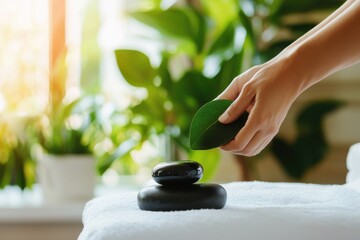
[[17, 166], [208, 43], [310, 145], [88, 125], [207, 132], [141, 73], [61, 130], [173, 99]]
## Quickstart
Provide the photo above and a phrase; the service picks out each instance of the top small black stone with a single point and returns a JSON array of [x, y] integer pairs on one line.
[[177, 173]]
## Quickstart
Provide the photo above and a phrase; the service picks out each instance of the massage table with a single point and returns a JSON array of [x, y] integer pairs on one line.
[[254, 211]]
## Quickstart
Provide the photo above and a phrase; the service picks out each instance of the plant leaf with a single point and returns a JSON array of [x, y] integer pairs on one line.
[[285, 155], [246, 22], [311, 117], [135, 67], [172, 22], [310, 145], [108, 159], [207, 132], [229, 70], [224, 41], [288, 7]]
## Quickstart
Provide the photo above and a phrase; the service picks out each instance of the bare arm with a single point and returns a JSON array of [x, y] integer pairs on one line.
[[318, 27], [332, 48], [270, 89]]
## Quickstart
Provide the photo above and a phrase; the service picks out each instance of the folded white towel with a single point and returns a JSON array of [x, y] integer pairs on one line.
[[355, 185], [353, 163], [255, 210]]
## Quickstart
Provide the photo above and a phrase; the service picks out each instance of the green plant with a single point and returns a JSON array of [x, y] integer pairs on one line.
[[205, 45], [309, 146], [62, 130], [17, 165], [87, 125]]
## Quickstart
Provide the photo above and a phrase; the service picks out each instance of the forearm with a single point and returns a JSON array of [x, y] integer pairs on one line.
[[332, 48], [319, 26]]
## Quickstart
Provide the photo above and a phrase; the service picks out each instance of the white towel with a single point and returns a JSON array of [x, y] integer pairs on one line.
[[255, 210], [353, 163]]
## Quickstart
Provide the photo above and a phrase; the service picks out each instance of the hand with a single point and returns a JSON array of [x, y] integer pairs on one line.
[[266, 92]]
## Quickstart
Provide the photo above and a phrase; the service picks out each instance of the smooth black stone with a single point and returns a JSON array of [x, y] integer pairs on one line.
[[177, 173], [196, 196]]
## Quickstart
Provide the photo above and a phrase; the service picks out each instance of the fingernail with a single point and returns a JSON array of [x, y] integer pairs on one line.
[[224, 117]]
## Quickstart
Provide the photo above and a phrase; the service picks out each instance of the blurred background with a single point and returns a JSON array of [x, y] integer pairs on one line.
[[118, 81]]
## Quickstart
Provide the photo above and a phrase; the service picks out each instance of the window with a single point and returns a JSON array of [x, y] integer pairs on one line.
[[24, 56]]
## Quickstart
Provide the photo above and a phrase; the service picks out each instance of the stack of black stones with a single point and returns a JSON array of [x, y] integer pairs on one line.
[[178, 189]]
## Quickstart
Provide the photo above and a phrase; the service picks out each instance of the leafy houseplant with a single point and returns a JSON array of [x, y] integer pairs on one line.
[[66, 169], [309, 146], [205, 45]]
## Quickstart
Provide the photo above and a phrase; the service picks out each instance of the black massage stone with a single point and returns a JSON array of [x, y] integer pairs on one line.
[[187, 197], [177, 173]]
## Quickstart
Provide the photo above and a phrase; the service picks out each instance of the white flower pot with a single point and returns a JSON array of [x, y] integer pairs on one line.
[[66, 178]]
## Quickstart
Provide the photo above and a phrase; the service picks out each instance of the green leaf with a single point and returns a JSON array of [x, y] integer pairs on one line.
[[221, 13], [309, 146], [209, 160], [193, 84], [62, 112], [107, 160], [246, 22], [229, 70], [310, 149], [176, 23], [297, 6], [172, 22], [207, 132], [225, 40], [285, 155], [311, 117], [135, 67], [163, 72], [198, 26]]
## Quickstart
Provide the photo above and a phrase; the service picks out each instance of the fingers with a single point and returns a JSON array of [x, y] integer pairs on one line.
[[240, 104], [255, 146], [235, 87], [253, 137], [242, 139], [241, 92], [261, 147]]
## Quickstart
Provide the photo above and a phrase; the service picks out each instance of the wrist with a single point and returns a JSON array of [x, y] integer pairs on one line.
[[299, 64]]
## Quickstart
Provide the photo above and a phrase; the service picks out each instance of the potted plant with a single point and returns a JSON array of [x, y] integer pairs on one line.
[[66, 167]]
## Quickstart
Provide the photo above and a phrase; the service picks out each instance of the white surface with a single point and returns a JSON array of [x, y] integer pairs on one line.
[[29, 207], [254, 210], [353, 163]]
